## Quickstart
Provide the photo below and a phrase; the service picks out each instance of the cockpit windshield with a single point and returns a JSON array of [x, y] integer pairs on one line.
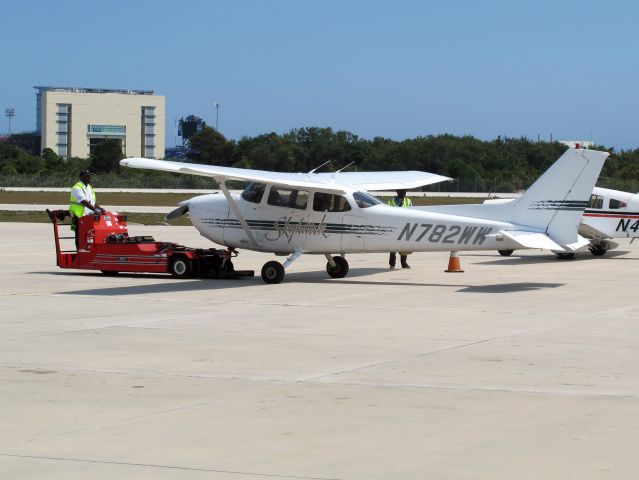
[[253, 192], [364, 200]]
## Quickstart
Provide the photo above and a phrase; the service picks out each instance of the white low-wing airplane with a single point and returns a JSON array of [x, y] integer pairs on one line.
[[331, 213], [610, 214]]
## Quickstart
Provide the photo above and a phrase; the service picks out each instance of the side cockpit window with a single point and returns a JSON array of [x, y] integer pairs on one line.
[[614, 204], [287, 197], [596, 201], [329, 202], [253, 192], [364, 200]]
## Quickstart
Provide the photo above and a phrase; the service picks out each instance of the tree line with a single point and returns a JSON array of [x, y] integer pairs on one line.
[[499, 165]]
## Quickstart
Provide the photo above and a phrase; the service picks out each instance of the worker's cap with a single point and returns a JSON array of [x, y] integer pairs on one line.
[[85, 172]]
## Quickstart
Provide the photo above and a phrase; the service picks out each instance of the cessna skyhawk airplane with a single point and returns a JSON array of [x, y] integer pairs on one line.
[[609, 214], [332, 213]]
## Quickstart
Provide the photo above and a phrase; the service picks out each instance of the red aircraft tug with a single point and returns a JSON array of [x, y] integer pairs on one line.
[[104, 244]]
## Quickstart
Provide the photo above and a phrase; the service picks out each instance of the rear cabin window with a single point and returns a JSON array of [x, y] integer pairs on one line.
[[364, 200], [253, 192], [289, 198], [596, 201], [329, 202], [613, 204]]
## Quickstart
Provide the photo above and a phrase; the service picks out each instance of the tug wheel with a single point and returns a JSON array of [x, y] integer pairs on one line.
[[180, 267], [339, 270], [272, 272], [505, 253]]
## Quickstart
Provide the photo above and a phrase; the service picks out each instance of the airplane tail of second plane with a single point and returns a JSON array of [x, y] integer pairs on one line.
[[556, 201]]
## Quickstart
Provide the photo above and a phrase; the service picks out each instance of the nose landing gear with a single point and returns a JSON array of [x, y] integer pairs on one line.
[[273, 271]]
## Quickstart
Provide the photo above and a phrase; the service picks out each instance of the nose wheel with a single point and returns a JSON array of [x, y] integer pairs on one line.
[[338, 268], [273, 272]]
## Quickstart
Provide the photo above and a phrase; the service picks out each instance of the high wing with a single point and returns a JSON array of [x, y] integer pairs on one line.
[[336, 182], [398, 180]]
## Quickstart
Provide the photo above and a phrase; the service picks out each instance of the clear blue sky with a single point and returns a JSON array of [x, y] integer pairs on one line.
[[396, 69]]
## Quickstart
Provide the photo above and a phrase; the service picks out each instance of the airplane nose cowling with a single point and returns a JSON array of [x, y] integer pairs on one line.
[[209, 214]]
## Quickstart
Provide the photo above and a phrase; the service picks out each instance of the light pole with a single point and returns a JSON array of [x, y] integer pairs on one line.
[[217, 115], [10, 113]]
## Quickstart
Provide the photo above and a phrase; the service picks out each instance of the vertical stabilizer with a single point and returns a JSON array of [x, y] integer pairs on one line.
[[557, 200]]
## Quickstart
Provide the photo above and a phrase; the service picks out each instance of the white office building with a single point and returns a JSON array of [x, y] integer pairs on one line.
[[72, 121]]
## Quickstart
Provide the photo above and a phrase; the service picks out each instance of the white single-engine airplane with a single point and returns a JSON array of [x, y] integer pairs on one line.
[[610, 214], [331, 213]]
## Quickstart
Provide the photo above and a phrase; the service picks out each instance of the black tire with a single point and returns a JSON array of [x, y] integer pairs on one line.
[[181, 267], [565, 256], [339, 270], [272, 272], [505, 253], [598, 251], [109, 273]]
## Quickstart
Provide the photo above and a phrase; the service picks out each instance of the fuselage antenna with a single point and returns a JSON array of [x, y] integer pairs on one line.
[[317, 168], [343, 168]]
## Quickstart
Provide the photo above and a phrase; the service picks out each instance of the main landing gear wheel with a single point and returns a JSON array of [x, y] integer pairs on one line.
[[505, 253], [272, 272], [598, 250], [339, 270], [565, 256], [180, 267]]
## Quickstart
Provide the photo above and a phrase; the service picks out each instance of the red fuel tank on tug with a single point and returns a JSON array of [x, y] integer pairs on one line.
[[96, 229]]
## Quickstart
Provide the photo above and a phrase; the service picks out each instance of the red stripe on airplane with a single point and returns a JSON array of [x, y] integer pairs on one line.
[[610, 216]]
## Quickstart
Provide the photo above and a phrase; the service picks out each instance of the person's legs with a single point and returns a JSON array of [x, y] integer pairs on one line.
[[392, 259], [403, 259], [74, 227]]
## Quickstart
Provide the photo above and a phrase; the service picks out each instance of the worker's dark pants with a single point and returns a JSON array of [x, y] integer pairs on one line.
[[74, 227], [393, 258]]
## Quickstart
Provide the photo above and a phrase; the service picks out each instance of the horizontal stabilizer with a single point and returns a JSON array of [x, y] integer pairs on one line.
[[531, 240], [580, 243]]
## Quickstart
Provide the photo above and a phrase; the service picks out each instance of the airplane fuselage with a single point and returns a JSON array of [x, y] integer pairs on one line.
[[352, 229], [613, 213]]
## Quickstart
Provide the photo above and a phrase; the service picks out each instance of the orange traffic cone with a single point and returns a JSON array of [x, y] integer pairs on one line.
[[453, 263]]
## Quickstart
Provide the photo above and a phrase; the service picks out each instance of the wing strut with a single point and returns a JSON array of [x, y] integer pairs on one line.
[[238, 214]]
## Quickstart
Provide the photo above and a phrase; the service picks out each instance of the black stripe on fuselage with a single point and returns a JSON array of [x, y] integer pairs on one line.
[[271, 225]]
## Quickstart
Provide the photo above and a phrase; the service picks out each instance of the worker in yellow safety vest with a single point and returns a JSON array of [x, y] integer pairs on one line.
[[82, 201], [401, 200]]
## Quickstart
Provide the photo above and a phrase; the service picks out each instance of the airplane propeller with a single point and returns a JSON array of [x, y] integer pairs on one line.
[[178, 212]]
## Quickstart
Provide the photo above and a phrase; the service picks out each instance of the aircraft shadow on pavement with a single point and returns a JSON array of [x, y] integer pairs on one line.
[[170, 285], [510, 287], [316, 277], [545, 258]]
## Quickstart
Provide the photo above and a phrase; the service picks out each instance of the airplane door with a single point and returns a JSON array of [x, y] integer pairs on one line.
[[353, 234], [284, 218]]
